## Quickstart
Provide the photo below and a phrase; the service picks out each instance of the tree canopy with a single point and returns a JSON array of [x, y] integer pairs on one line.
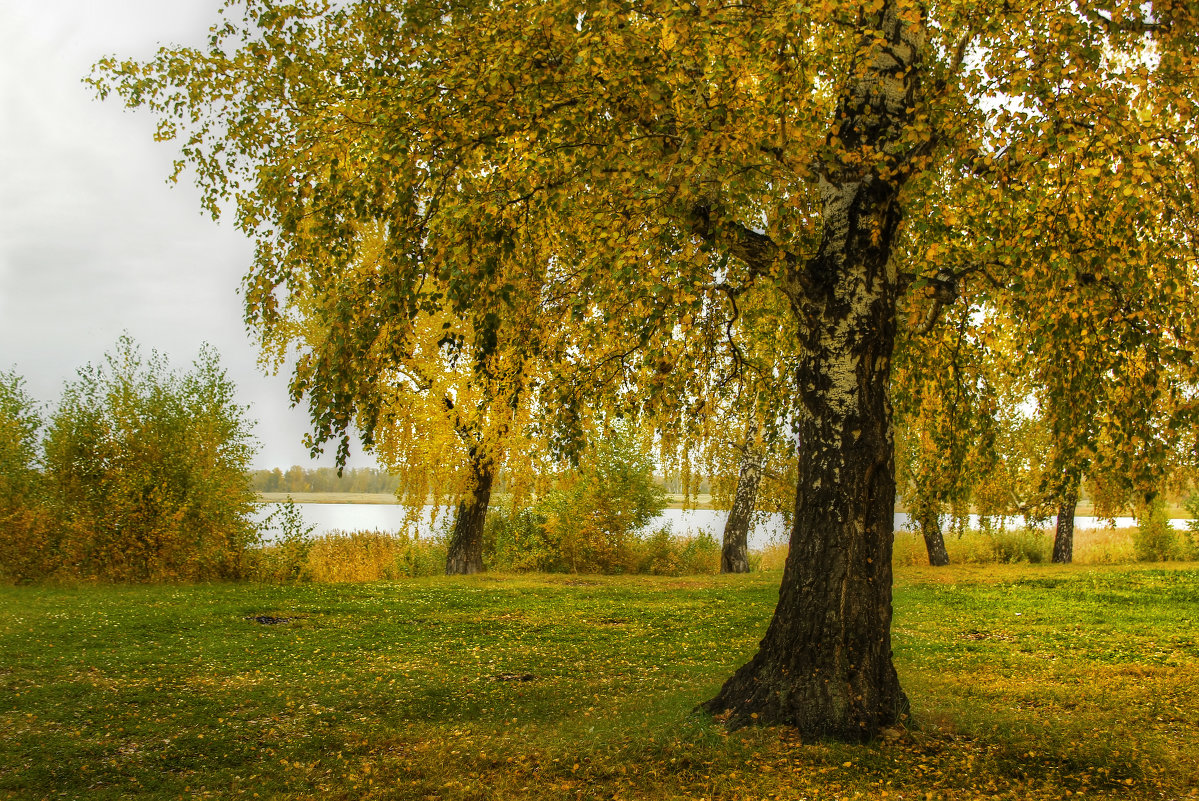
[[636, 160]]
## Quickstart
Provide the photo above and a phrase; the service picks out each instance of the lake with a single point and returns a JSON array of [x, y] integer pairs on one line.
[[328, 517]]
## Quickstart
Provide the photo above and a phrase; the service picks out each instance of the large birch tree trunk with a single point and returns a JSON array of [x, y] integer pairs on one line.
[[734, 554], [465, 555], [824, 665]]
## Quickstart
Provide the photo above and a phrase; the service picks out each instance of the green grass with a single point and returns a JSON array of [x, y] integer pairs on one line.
[[1025, 682]]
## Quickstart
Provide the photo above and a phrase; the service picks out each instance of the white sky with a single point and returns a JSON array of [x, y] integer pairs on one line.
[[93, 240]]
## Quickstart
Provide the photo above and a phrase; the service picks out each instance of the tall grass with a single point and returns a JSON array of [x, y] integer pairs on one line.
[[349, 556], [374, 556], [366, 556], [1092, 546]]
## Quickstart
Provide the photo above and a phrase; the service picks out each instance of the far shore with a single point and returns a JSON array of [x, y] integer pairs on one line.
[[674, 501], [703, 501]]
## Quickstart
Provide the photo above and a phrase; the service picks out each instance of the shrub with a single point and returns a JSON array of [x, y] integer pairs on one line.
[[425, 556], [518, 539], [531, 540], [665, 554], [700, 554], [591, 523], [20, 424], [28, 547], [1155, 539], [1020, 545], [146, 471], [283, 557], [1191, 504], [659, 555], [595, 523]]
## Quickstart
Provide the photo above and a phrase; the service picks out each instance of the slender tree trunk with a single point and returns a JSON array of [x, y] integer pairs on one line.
[[465, 555], [934, 538], [824, 664], [1063, 538], [734, 556]]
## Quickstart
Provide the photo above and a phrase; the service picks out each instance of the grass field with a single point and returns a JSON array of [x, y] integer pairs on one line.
[[1040, 682]]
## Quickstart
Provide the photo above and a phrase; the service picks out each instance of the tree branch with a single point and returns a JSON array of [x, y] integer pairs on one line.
[[944, 291], [1106, 19], [753, 248]]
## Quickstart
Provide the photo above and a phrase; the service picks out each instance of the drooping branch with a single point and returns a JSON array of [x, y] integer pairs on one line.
[[1105, 18]]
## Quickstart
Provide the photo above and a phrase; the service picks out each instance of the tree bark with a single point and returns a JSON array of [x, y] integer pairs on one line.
[[1063, 538], [824, 665], [465, 555], [934, 538], [734, 555]]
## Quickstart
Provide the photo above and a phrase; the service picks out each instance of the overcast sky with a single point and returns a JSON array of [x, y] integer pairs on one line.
[[93, 240]]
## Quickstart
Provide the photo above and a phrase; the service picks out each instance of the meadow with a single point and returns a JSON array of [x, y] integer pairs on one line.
[[1026, 682]]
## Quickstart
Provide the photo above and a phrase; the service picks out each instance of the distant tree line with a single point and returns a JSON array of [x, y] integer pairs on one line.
[[323, 479], [369, 479]]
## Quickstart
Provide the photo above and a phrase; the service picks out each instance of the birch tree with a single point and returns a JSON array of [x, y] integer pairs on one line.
[[670, 147]]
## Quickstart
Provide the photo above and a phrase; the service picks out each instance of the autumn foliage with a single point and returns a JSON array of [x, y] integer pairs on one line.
[[25, 521], [482, 224], [139, 475], [594, 520]]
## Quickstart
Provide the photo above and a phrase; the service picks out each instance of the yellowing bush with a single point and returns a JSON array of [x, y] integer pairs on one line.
[[142, 476]]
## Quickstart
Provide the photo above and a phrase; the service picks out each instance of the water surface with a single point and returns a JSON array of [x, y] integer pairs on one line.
[[388, 517]]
